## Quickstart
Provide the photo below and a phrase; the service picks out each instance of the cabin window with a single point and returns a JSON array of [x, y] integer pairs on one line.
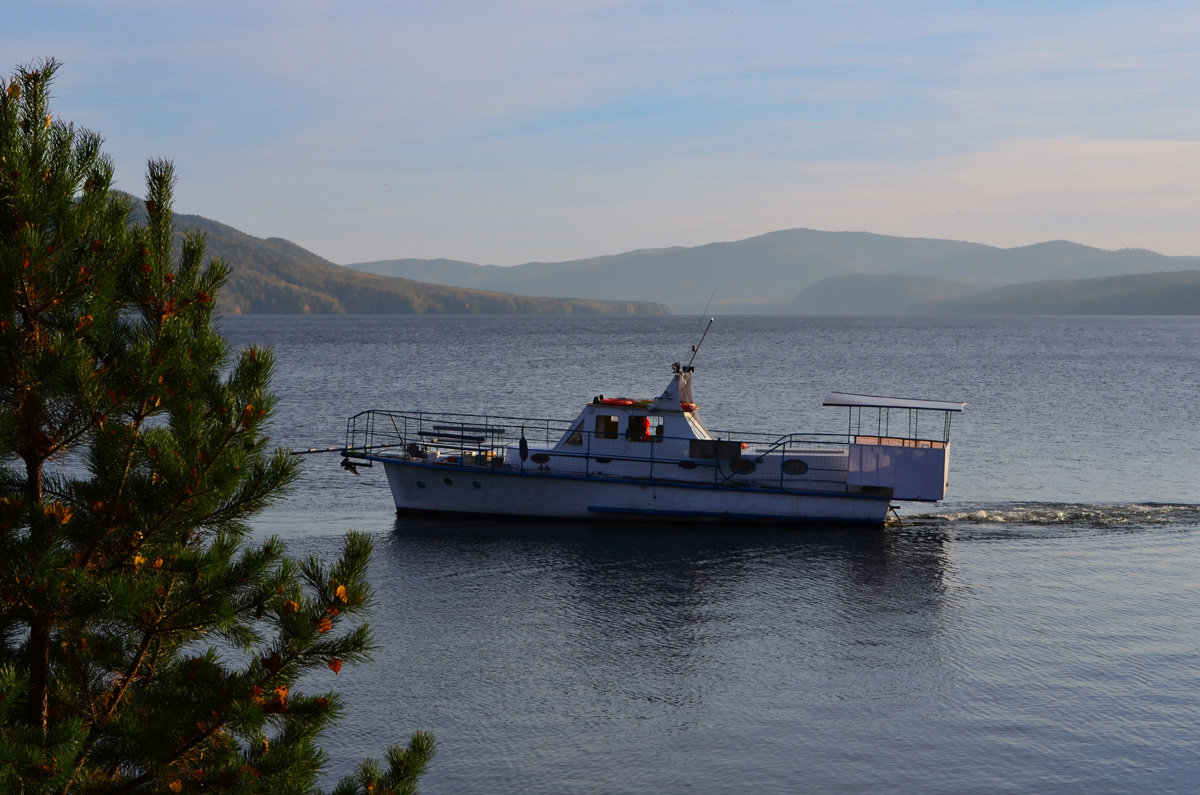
[[576, 437], [607, 427], [644, 429]]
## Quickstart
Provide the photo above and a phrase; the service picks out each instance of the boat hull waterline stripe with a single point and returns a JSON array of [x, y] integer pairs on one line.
[[739, 487], [732, 517]]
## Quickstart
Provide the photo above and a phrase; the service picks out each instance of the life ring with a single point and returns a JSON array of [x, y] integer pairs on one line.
[[624, 402], [688, 406]]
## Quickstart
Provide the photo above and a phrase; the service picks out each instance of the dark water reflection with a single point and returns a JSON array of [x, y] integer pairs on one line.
[[562, 657], [549, 657]]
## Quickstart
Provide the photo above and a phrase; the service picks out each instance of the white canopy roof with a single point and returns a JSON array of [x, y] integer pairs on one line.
[[870, 401]]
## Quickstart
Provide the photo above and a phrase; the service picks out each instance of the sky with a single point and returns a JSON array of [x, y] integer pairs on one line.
[[547, 130]]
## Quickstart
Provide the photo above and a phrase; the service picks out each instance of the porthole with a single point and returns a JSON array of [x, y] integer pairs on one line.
[[448, 481], [794, 466], [420, 484], [539, 458], [477, 484], [603, 460], [687, 464], [742, 466]]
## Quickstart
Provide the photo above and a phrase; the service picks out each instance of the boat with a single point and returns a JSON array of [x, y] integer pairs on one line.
[[655, 459]]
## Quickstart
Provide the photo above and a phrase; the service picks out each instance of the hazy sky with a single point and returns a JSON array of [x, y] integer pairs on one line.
[[506, 132]]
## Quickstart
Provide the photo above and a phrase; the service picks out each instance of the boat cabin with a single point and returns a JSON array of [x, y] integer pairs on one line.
[[620, 426]]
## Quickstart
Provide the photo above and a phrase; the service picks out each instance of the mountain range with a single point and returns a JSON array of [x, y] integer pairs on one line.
[[796, 271], [813, 272], [275, 276]]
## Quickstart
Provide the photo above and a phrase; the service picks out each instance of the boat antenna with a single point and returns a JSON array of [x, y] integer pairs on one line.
[[705, 312], [696, 347], [700, 320]]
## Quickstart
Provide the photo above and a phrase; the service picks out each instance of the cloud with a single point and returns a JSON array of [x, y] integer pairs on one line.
[[544, 130], [1108, 193], [1111, 193]]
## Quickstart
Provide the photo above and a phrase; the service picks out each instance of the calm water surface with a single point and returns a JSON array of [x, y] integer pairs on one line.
[[1039, 630]]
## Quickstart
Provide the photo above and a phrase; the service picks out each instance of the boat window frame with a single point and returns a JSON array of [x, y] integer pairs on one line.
[[653, 424], [574, 437], [608, 426]]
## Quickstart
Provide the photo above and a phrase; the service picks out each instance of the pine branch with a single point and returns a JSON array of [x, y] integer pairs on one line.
[[108, 348]]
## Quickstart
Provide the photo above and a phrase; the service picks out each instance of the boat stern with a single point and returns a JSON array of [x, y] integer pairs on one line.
[[907, 455], [917, 473]]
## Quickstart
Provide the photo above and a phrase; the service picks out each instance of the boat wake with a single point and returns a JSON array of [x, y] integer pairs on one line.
[[1050, 514]]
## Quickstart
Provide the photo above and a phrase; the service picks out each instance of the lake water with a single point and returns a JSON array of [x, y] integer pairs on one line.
[[1039, 630]]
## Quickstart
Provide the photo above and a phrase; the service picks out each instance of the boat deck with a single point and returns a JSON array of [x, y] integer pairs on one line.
[[468, 441]]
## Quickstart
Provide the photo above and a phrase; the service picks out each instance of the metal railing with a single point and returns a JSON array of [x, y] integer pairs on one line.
[[376, 429], [794, 461]]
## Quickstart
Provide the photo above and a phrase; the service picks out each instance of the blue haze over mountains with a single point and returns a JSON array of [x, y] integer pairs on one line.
[[814, 272], [796, 271]]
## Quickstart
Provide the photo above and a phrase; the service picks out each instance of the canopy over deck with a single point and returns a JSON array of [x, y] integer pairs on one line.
[[873, 402]]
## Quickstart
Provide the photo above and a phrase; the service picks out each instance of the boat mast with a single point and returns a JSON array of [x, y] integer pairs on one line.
[[696, 347]]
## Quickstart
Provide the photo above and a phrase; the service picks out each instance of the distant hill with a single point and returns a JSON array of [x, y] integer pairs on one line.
[[771, 272], [275, 276], [1169, 293], [876, 294]]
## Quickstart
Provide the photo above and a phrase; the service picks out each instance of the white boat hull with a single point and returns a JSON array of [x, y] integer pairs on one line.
[[656, 460], [420, 487]]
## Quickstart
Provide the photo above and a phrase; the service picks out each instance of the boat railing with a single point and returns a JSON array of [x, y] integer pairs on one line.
[[900, 441], [472, 441], [376, 429], [790, 450], [909, 423]]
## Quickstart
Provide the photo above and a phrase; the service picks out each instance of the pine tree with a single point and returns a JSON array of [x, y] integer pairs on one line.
[[145, 644]]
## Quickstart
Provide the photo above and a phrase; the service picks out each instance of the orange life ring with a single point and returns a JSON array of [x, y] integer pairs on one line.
[[615, 402], [688, 406]]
